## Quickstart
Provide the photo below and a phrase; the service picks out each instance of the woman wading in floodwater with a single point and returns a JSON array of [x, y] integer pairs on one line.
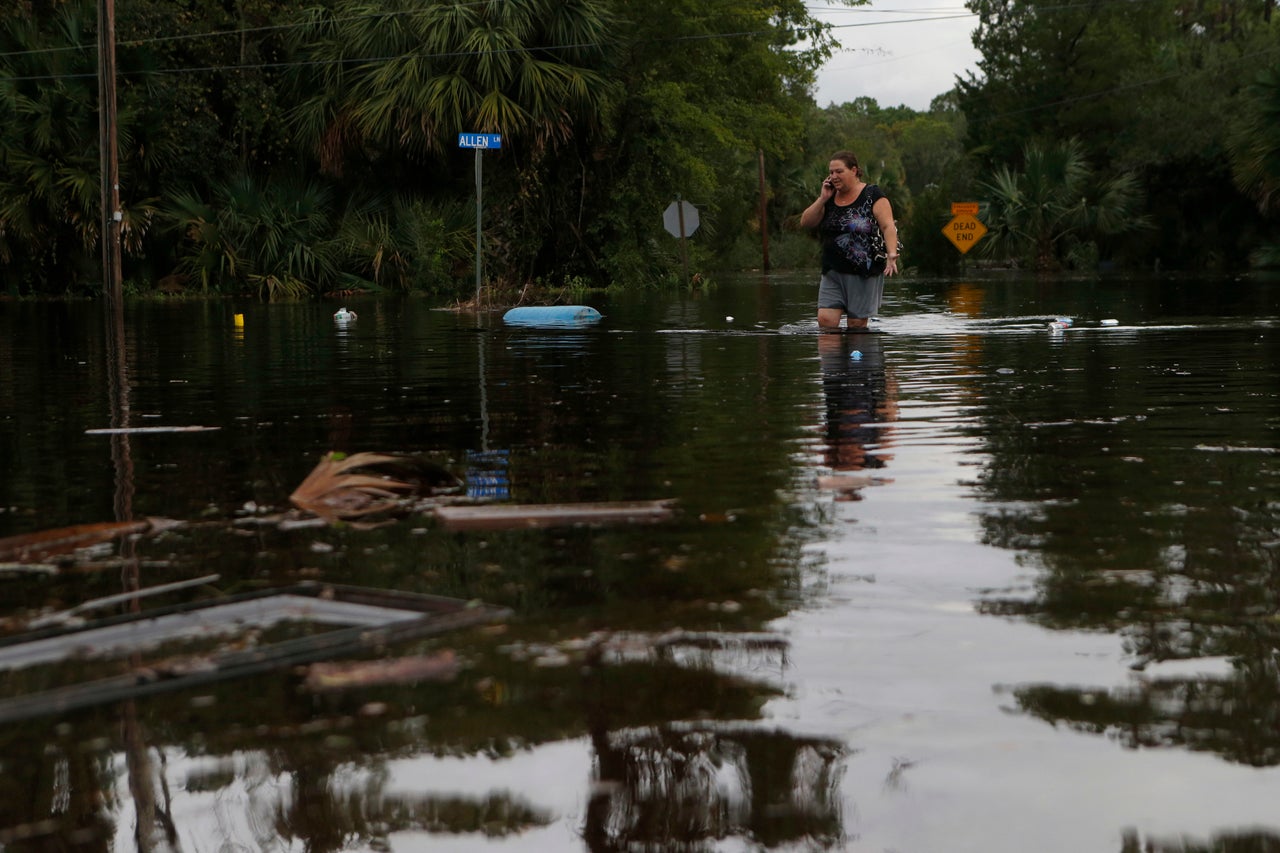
[[859, 244]]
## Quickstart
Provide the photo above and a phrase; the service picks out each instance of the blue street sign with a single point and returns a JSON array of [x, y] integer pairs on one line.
[[479, 140]]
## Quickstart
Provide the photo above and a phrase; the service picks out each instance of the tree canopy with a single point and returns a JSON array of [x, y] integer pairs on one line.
[[249, 128]]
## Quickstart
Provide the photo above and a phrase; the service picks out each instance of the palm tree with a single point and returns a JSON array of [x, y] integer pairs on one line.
[[402, 243], [50, 186], [1031, 213], [1255, 153], [400, 75], [49, 211], [275, 238]]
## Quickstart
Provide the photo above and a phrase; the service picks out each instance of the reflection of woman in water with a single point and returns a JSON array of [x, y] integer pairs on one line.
[[861, 397]]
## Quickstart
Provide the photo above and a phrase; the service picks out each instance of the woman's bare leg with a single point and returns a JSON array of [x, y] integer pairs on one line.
[[829, 318]]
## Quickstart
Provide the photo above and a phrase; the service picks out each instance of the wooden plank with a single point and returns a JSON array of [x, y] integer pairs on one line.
[[514, 516], [41, 545]]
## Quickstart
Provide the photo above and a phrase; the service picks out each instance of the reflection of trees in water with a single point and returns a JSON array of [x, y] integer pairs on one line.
[[679, 788], [328, 821], [1145, 521], [1237, 718], [674, 786], [1215, 596], [261, 764], [51, 797], [1235, 842]]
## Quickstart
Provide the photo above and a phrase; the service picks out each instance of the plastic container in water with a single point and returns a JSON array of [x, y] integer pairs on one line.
[[556, 316]]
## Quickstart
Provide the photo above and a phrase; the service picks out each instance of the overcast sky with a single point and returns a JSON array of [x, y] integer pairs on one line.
[[896, 51]]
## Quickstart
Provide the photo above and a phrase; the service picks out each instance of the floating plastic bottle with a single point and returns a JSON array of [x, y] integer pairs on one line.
[[856, 355]]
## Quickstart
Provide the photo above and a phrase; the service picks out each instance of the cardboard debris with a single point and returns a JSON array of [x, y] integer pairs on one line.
[[509, 516], [329, 675]]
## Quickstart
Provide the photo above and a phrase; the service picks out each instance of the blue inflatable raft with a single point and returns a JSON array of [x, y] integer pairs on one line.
[[557, 316]]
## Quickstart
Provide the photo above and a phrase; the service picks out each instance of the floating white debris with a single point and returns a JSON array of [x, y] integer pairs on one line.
[[141, 430], [1109, 322], [1200, 669]]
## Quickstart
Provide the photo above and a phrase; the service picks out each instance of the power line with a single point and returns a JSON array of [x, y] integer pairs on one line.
[[579, 46], [373, 15], [903, 21]]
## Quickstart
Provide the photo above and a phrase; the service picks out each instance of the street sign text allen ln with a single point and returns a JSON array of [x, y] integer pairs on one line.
[[964, 231], [479, 140]]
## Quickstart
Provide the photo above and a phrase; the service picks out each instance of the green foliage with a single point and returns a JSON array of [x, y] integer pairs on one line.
[[202, 81], [287, 238], [406, 78], [609, 110], [407, 244], [173, 125], [1256, 160], [694, 110], [1154, 89], [1256, 148], [49, 208], [1055, 200], [924, 247], [274, 239]]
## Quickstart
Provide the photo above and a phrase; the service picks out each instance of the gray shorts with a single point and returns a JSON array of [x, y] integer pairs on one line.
[[859, 297]]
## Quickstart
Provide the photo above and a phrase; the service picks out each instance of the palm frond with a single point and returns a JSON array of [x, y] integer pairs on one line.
[[345, 487]]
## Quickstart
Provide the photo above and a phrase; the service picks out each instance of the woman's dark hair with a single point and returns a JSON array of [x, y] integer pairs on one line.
[[849, 159]]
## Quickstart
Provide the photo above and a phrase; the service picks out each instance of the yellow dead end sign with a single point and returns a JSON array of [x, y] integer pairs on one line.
[[964, 229]]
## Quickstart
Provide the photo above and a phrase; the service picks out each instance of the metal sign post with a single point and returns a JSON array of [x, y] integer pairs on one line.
[[681, 219], [479, 141]]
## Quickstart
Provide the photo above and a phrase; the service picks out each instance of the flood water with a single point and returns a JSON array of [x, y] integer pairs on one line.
[[966, 583]]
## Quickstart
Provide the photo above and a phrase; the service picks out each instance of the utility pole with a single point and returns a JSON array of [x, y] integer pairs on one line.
[[764, 209], [108, 151]]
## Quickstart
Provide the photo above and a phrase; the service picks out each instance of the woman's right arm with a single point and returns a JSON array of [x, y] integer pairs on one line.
[[812, 215]]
